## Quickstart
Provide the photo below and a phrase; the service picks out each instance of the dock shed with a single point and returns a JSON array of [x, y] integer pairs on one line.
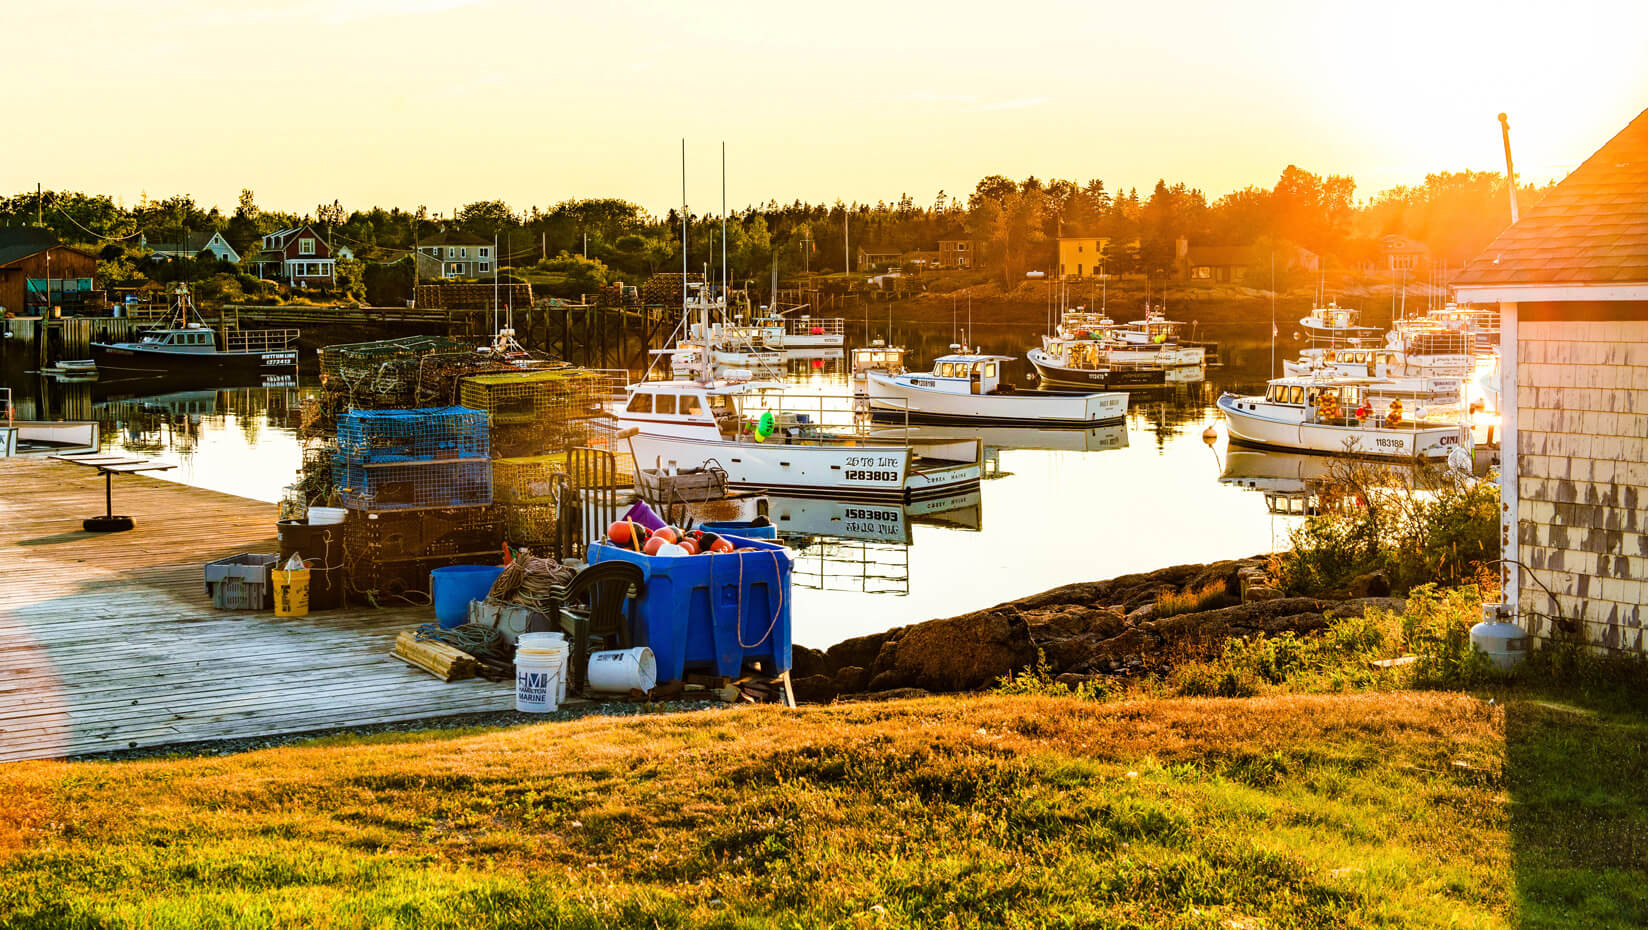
[[1571, 282], [37, 272]]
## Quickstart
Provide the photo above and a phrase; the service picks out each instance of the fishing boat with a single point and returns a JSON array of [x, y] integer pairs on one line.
[[747, 430], [1319, 414], [1433, 380], [1333, 326], [784, 332], [877, 356], [967, 387], [1086, 363], [183, 343], [1154, 340]]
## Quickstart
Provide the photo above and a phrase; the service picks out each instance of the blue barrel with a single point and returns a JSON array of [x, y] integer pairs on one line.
[[453, 587], [742, 528], [712, 612]]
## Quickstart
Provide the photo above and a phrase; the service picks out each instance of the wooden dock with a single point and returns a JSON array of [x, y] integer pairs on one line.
[[110, 642]]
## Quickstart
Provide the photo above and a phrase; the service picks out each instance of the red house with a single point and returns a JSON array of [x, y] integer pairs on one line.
[[298, 256]]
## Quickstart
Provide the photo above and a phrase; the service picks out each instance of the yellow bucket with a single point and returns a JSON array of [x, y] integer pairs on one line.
[[291, 592]]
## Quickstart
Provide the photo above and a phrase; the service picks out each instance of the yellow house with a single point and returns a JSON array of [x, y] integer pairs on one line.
[[1081, 256]]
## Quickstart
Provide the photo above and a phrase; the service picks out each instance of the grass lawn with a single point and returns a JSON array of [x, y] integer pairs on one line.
[[1411, 809]]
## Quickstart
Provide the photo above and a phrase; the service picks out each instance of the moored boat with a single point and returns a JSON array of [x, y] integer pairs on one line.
[[182, 343], [968, 388], [1330, 415], [745, 429]]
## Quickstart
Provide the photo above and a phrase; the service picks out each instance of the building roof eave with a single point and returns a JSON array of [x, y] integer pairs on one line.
[[1515, 293]]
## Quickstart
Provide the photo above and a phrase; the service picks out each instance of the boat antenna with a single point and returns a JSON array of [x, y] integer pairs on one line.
[[724, 220], [1273, 314], [1510, 170]]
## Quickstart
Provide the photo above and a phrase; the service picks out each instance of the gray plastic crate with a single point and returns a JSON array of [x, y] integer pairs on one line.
[[241, 582]]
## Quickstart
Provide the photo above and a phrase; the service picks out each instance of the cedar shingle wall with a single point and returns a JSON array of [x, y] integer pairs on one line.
[[1582, 467]]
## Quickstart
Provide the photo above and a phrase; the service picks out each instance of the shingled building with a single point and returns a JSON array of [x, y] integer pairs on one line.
[[1571, 281]]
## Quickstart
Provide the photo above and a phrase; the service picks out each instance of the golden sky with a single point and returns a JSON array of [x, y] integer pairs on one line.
[[442, 102]]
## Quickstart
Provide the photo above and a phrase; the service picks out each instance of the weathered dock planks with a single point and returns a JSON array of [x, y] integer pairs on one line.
[[110, 642]]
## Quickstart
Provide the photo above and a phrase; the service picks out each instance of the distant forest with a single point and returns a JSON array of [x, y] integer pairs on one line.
[[1013, 223]]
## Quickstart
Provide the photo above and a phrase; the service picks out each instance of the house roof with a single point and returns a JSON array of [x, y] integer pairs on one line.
[[192, 243], [454, 237], [22, 241], [1592, 228]]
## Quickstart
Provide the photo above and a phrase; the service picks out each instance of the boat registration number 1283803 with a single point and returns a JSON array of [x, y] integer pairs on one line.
[[871, 468]]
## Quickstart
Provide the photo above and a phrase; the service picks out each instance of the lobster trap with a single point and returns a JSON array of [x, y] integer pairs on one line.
[[531, 479], [358, 362], [377, 486], [441, 434], [534, 412]]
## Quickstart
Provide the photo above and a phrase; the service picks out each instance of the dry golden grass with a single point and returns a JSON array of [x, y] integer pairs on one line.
[[955, 812]]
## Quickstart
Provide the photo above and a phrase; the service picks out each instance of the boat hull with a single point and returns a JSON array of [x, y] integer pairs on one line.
[[130, 358], [889, 473], [1053, 373], [1423, 442], [892, 398]]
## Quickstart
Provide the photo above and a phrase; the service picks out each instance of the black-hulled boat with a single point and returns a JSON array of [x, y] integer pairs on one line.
[[183, 343]]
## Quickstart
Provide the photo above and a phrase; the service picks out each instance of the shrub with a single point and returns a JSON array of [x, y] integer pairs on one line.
[[1038, 681], [1418, 527], [1210, 596]]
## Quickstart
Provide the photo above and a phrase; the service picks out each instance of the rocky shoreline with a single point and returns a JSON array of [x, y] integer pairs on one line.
[[1086, 631]]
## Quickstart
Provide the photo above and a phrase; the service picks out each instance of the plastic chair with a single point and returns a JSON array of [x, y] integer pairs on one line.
[[592, 606]]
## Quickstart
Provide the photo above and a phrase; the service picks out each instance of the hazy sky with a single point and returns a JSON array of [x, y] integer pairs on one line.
[[442, 102]]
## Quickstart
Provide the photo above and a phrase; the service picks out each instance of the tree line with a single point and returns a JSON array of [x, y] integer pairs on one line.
[[1012, 223]]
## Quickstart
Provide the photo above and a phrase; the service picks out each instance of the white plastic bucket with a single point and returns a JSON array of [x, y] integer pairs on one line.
[[538, 642], [326, 516], [623, 670], [537, 685]]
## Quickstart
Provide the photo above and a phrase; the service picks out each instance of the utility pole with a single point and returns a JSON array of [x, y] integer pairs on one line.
[[846, 250], [39, 203]]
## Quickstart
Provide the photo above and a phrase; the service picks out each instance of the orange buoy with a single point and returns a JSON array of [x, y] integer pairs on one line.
[[628, 534], [720, 545], [655, 542], [689, 545], [669, 533]]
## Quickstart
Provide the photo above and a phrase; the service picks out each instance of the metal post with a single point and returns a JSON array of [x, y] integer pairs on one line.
[[1510, 170]]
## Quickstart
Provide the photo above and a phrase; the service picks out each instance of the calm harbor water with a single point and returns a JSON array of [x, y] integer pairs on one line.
[[1057, 506]]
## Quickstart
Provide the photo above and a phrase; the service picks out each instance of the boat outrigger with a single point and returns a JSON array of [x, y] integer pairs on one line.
[[1332, 415], [183, 343], [967, 388]]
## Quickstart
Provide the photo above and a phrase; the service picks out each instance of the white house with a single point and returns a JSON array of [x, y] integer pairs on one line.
[[193, 244], [1571, 282], [461, 255]]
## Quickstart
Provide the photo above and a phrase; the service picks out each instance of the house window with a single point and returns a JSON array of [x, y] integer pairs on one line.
[[451, 252], [483, 266], [483, 251], [1078, 267], [1201, 271], [463, 252], [306, 246]]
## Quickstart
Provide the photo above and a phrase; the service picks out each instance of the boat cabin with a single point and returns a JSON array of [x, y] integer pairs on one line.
[[684, 408], [882, 358], [192, 339], [1313, 400], [963, 374]]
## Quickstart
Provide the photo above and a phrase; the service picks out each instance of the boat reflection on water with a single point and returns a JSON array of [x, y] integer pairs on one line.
[[1091, 439], [860, 546], [1296, 484]]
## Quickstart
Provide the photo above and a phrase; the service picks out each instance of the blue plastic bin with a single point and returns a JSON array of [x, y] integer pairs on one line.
[[741, 528], [712, 612], [453, 587]]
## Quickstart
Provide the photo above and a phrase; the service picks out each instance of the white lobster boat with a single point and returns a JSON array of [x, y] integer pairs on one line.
[[1316, 414], [782, 332], [1432, 380], [968, 388], [694, 424]]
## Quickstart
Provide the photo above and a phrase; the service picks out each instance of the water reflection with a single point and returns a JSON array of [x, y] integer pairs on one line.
[[1061, 506]]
